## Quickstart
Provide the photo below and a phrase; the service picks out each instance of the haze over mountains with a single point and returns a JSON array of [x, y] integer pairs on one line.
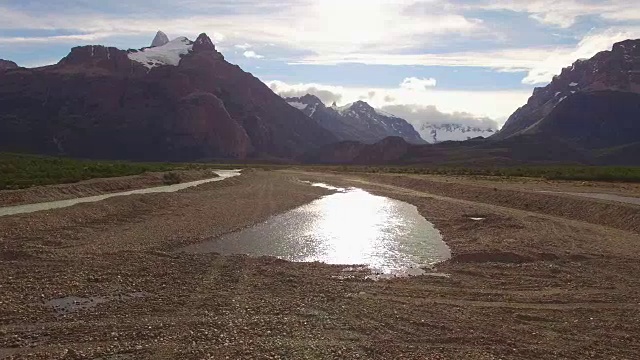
[[181, 100]]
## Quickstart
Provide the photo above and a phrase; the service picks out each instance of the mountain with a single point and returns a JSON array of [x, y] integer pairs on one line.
[[355, 122], [6, 65], [435, 133], [614, 72], [161, 39], [380, 122], [517, 150], [594, 120], [176, 102]]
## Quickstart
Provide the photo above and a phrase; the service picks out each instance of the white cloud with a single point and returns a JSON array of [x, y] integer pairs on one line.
[[250, 54], [555, 60], [540, 63], [419, 115], [498, 105], [563, 13], [327, 96], [326, 26], [244, 46], [416, 84]]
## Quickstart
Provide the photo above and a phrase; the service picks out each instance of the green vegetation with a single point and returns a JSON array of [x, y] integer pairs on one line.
[[580, 173], [19, 171]]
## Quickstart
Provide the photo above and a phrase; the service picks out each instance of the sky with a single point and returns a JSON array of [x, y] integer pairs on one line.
[[472, 61]]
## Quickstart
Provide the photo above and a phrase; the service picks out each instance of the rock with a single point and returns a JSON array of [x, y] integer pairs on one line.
[[160, 39], [203, 43], [6, 65]]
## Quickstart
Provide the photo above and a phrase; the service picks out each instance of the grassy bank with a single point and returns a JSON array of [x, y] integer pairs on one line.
[[580, 173], [18, 171]]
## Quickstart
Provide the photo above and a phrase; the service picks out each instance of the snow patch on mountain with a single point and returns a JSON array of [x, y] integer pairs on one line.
[[298, 105], [435, 133], [168, 54]]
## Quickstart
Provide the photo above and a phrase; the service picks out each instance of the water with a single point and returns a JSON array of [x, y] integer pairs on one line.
[[29, 208], [351, 226]]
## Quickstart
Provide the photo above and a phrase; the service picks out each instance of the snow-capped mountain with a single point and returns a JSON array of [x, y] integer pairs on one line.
[[358, 121], [180, 101], [388, 124], [171, 52], [435, 133]]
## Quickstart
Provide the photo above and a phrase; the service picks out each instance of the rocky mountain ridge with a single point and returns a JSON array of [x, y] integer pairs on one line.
[[615, 70], [356, 122], [176, 102]]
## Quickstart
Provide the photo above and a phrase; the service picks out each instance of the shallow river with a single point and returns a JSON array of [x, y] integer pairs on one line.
[[351, 226], [29, 208]]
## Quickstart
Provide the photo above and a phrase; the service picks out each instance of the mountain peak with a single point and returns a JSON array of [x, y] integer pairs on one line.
[[361, 105], [203, 43], [311, 100], [6, 65], [160, 39]]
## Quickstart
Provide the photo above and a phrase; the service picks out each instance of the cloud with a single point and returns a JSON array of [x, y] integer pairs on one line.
[[552, 63], [497, 105], [562, 13], [298, 24], [328, 97], [540, 63], [250, 54], [416, 84], [419, 115], [244, 46]]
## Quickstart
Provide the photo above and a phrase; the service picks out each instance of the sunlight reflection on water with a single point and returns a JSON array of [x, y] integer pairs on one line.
[[351, 226]]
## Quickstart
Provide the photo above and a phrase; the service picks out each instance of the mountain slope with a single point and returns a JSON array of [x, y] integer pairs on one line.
[[594, 120], [178, 101], [356, 122], [616, 70], [6, 65]]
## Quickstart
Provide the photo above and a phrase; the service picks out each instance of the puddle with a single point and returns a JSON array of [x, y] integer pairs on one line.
[[477, 218], [71, 304], [30, 208], [349, 227]]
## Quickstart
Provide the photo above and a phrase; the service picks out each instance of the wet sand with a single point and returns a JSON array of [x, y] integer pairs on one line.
[[542, 276]]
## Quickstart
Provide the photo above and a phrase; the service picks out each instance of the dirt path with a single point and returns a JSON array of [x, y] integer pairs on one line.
[[540, 277]]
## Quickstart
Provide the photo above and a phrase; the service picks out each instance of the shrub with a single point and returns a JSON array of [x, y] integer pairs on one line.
[[171, 178]]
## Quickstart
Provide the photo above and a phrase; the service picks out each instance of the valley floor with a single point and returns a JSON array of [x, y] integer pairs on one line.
[[543, 276]]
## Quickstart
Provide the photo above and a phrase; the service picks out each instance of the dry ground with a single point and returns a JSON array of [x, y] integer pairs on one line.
[[95, 187], [542, 277]]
